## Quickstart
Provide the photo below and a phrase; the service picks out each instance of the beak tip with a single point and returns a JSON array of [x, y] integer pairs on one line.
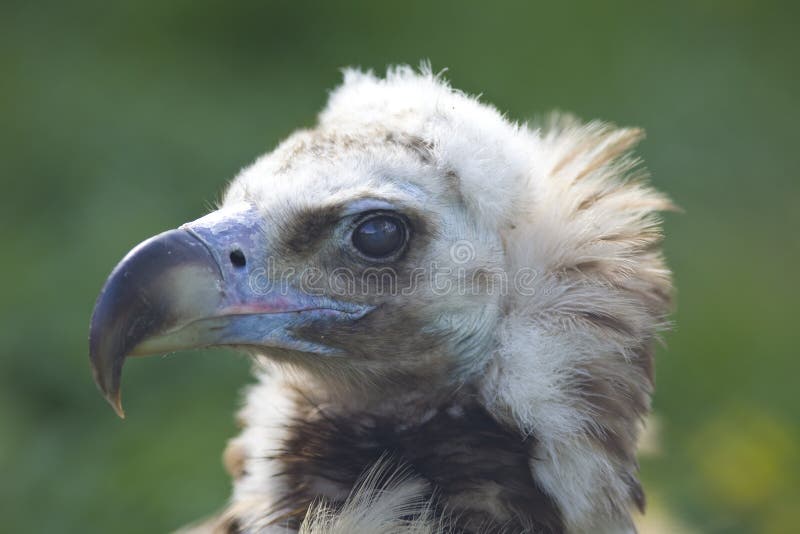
[[115, 400], [108, 384], [110, 392]]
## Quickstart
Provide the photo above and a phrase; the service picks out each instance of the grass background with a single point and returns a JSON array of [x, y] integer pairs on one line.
[[120, 120]]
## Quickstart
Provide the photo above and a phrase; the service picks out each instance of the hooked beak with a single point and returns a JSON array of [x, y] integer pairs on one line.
[[204, 284]]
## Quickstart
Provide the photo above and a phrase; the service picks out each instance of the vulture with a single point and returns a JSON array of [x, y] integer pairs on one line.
[[452, 317]]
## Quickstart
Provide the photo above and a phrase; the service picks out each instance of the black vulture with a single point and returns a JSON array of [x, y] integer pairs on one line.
[[452, 317]]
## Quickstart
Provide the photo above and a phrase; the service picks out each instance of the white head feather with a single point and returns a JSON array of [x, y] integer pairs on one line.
[[569, 359]]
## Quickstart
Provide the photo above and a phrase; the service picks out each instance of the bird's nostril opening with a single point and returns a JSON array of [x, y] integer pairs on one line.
[[237, 258]]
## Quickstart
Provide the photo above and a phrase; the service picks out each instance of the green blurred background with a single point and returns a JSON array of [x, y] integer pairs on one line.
[[120, 121]]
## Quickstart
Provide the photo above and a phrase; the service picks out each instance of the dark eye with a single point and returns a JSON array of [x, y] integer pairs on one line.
[[379, 236]]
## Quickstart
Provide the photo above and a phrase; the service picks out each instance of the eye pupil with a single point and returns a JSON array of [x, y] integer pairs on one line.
[[379, 236]]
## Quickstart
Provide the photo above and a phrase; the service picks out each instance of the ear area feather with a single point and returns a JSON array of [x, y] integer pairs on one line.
[[573, 364]]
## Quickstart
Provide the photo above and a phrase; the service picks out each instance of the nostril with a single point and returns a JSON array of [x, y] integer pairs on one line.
[[237, 258]]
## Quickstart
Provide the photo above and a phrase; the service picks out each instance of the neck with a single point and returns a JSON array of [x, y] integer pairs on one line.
[[472, 466]]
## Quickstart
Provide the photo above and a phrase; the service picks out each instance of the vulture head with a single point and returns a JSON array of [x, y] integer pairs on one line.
[[452, 317]]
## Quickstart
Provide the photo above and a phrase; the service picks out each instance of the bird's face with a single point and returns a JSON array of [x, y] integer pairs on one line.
[[351, 254]]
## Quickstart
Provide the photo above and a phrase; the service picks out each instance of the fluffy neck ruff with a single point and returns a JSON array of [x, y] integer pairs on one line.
[[471, 472]]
